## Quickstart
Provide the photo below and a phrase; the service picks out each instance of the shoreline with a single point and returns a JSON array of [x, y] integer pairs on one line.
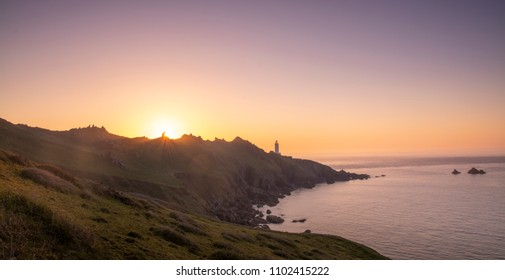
[[342, 176], [396, 207]]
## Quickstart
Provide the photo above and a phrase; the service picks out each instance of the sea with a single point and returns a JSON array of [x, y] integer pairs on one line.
[[410, 208]]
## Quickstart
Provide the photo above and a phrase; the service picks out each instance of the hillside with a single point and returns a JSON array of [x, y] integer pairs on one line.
[[212, 178], [47, 213], [89, 194]]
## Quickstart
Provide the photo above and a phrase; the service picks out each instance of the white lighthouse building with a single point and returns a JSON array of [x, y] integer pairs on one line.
[[277, 147]]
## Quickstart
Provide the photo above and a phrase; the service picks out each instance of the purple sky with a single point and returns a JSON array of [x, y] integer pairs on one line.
[[408, 75]]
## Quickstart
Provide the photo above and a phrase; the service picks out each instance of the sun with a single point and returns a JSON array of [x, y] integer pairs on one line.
[[167, 128]]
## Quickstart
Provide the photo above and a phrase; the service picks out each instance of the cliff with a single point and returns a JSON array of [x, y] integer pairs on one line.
[[89, 194], [215, 178]]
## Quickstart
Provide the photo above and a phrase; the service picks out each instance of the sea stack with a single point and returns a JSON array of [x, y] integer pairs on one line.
[[455, 172], [476, 171]]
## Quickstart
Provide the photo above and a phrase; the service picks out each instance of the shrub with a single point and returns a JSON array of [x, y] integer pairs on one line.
[[60, 173], [13, 158], [230, 237], [134, 235], [226, 255], [115, 195], [222, 245], [172, 236], [49, 180], [191, 229], [194, 249], [183, 218], [280, 254], [85, 195], [100, 220], [175, 216]]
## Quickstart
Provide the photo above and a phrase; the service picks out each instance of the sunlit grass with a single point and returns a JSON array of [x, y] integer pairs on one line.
[[90, 224]]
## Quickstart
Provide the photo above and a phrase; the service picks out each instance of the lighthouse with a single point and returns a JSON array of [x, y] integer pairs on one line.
[[277, 147]]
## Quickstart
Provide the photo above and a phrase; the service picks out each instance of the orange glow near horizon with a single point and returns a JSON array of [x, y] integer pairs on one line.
[[320, 78], [159, 127]]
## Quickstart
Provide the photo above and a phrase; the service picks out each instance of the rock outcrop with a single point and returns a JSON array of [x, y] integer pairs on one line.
[[476, 171], [275, 219]]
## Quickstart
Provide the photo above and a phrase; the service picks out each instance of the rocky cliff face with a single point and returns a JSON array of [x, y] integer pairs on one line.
[[216, 178], [233, 176]]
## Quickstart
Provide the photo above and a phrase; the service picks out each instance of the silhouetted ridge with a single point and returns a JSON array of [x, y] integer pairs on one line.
[[190, 138], [90, 131], [216, 178]]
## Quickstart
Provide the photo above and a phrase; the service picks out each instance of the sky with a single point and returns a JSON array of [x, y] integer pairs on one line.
[[321, 77]]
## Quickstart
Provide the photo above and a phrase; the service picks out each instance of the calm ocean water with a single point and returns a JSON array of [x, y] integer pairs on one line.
[[419, 210]]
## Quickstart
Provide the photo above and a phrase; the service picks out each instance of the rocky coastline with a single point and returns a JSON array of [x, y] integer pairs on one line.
[[221, 179], [241, 210]]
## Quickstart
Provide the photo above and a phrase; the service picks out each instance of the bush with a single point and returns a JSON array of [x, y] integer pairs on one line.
[[100, 220], [172, 236], [231, 237], [280, 254], [175, 216], [191, 229], [60, 173], [13, 158], [115, 195], [48, 180], [224, 246], [134, 235], [183, 218], [226, 255]]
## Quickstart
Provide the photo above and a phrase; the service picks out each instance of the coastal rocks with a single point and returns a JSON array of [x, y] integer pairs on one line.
[[299, 221], [476, 171], [259, 220], [265, 227], [472, 171], [275, 219]]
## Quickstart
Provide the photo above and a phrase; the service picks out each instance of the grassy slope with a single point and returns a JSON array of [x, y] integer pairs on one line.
[[43, 217], [213, 178]]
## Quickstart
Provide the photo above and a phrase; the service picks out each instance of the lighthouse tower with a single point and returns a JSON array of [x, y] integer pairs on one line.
[[277, 147]]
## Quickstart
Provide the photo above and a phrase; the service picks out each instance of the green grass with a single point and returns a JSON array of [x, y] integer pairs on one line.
[[39, 222], [29, 230]]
